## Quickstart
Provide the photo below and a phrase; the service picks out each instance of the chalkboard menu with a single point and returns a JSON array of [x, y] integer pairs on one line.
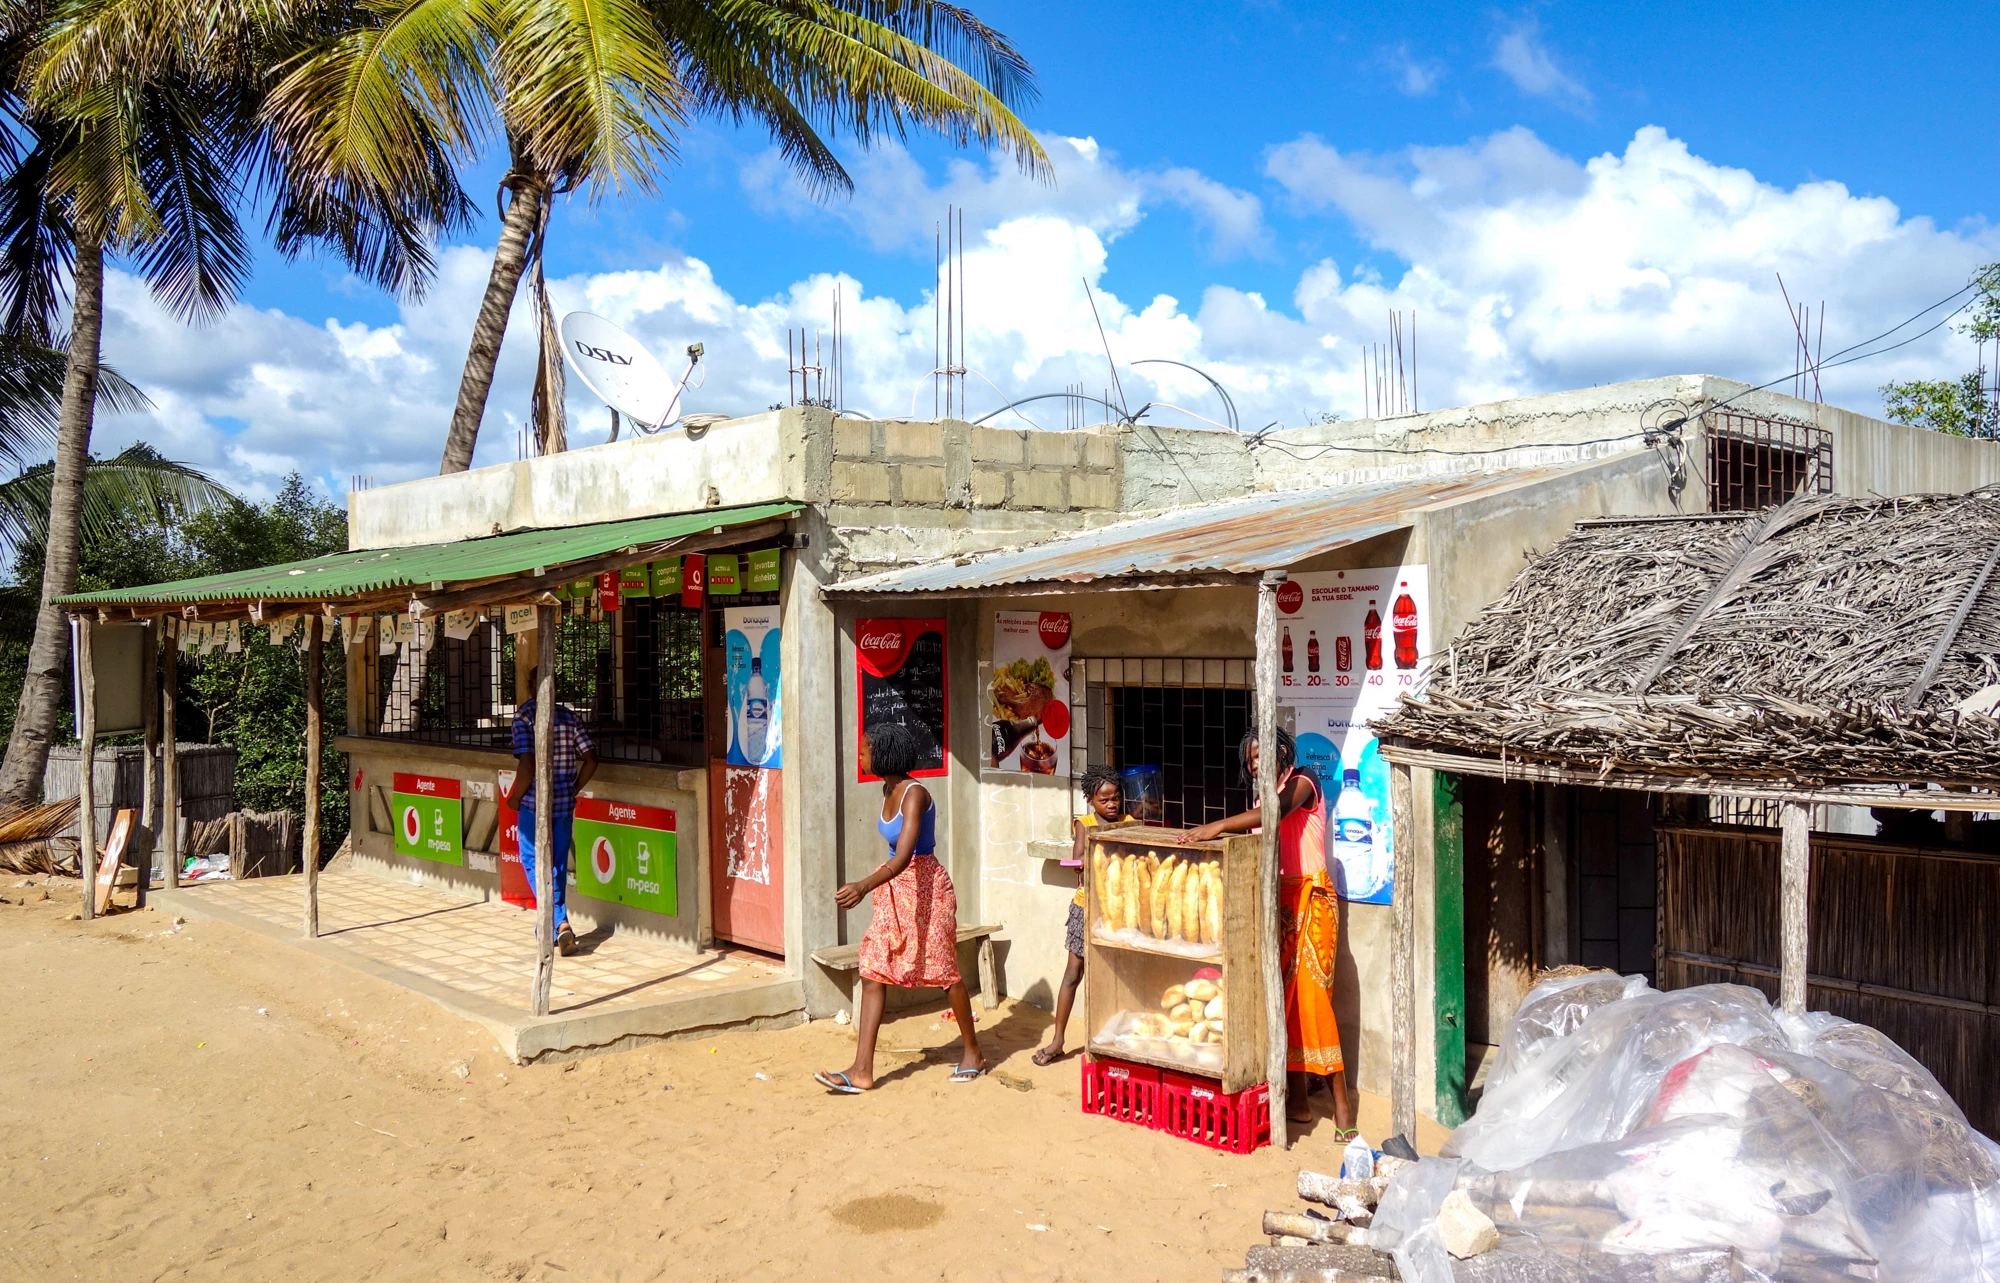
[[901, 666]]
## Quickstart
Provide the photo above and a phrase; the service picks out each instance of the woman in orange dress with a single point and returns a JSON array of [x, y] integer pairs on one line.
[[912, 939], [1309, 922]]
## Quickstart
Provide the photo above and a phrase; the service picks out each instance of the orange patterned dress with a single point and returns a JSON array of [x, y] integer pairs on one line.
[[1310, 923], [912, 939]]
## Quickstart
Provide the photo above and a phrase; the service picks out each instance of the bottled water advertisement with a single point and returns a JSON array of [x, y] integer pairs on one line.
[[751, 651], [1350, 642]]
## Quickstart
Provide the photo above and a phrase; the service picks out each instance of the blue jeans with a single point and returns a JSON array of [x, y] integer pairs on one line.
[[562, 836]]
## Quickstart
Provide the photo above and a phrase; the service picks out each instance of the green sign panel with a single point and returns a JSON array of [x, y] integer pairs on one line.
[[635, 581], [625, 853], [722, 575], [760, 572], [666, 578], [430, 823]]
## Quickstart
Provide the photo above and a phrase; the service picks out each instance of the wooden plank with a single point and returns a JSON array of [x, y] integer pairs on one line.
[[1448, 947], [989, 975], [86, 816], [1246, 1048], [1816, 981], [1267, 794], [149, 752], [1794, 887], [847, 957], [1910, 799], [1403, 961], [114, 856], [170, 774], [546, 620], [315, 739]]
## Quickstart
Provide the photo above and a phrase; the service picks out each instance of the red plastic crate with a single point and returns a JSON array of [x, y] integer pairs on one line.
[[1178, 1104], [1198, 1109], [1117, 1089]]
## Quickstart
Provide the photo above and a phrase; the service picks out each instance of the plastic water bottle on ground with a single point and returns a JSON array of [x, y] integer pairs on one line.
[[1358, 1161]]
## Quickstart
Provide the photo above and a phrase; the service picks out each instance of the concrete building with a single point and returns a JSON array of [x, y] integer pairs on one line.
[[1150, 540]]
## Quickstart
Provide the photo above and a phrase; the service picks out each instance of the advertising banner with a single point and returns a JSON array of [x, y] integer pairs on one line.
[[1349, 643], [723, 575], [902, 678], [430, 821], [514, 888], [752, 649], [625, 853], [1028, 701], [694, 580], [761, 570]]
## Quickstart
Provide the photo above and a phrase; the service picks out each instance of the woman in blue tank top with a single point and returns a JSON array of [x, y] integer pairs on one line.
[[912, 940]]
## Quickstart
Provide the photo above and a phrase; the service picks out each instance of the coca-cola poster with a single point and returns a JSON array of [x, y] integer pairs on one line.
[[1027, 706], [901, 677], [1350, 643]]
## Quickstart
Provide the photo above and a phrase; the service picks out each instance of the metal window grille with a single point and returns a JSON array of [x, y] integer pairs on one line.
[[1755, 462], [1185, 716], [633, 676]]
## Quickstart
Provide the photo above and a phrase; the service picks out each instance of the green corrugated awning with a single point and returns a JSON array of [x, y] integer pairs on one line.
[[425, 568]]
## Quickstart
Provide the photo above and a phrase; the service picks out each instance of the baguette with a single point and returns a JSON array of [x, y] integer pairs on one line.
[[1111, 913], [1099, 873], [1191, 905], [1212, 912], [1142, 903], [1163, 883], [1172, 900]]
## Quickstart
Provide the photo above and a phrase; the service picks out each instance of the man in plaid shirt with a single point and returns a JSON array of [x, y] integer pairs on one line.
[[572, 761]]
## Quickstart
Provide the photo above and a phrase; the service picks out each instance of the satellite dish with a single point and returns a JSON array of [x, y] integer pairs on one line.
[[622, 372]]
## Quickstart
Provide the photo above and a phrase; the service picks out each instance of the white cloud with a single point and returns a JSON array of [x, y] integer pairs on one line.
[[1528, 271], [1520, 56], [1414, 77]]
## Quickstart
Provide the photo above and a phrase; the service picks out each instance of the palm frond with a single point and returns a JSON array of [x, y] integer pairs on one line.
[[31, 385], [198, 259], [137, 486], [37, 247]]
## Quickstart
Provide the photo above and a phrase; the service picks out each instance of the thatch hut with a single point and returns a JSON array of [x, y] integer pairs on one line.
[[1763, 676]]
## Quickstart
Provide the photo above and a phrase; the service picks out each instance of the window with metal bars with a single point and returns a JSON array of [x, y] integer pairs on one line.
[[1755, 462], [633, 676], [1185, 717]]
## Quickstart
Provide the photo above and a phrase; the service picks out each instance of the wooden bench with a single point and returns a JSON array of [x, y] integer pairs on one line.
[[847, 957]]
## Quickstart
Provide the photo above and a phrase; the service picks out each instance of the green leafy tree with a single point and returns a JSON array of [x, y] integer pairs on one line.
[[1964, 406]]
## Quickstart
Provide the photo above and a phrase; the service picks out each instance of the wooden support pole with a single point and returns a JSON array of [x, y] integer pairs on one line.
[[1794, 896], [546, 618], [170, 776], [1267, 858], [86, 734], [1403, 960], [149, 751], [315, 735]]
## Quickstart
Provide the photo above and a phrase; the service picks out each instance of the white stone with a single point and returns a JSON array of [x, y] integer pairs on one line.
[[1464, 1229]]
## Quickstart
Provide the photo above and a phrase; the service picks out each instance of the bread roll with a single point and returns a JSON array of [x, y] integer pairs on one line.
[[1214, 1008], [1163, 882], [1182, 1028], [1202, 990], [1181, 1011], [1197, 1009], [1173, 997]]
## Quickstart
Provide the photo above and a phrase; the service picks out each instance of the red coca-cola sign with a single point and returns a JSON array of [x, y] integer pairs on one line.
[[1291, 596], [883, 644], [1054, 627]]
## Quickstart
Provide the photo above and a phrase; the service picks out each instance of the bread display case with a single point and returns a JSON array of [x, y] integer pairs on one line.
[[1172, 953]]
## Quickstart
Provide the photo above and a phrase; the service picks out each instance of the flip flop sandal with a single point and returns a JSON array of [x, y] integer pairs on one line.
[[1044, 1057], [964, 1075], [565, 940], [835, 1081]]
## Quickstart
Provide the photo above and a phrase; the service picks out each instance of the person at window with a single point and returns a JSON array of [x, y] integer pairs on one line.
[[1309, 923], [572, 763], [912, 939], [1104, 803]]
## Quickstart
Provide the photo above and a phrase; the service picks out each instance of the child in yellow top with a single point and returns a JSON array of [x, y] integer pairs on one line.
[[1103, 804]]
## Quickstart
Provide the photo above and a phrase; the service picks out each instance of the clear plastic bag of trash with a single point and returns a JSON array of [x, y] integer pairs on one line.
[[1631, 1135]]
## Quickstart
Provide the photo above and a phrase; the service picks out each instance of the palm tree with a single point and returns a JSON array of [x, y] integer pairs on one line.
[[138, 486], [595, 92]]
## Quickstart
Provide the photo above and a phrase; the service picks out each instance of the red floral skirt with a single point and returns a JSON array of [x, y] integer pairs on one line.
[[912, 940]]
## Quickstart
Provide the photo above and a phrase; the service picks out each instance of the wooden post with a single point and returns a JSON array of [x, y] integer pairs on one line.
[[545, 786], [170, 776], [149, 751], [1794, 897], [1403, 960], [1276, 1043], [309, 841], [86, 734]]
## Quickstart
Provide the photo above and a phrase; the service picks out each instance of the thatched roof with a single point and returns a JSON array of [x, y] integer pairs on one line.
[[1830, 641]]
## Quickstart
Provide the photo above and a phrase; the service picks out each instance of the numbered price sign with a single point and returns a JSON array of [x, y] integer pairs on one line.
[[624, 853], [430, 822]]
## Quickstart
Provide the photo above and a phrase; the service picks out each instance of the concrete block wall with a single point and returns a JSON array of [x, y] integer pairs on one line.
[[949, 464]]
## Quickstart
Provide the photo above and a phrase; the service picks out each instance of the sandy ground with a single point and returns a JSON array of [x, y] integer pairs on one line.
[[203, 1103]]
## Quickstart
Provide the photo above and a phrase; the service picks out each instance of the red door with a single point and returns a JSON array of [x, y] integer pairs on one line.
[[746, 855]]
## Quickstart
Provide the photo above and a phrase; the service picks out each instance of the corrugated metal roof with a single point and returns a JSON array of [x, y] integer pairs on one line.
[[354, 574], [1245, 536]]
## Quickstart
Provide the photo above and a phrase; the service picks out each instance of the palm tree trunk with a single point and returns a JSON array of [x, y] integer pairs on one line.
[[42, 691], [510, 257]]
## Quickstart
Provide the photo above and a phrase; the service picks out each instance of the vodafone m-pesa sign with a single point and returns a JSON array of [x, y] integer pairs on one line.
[[429, 818]]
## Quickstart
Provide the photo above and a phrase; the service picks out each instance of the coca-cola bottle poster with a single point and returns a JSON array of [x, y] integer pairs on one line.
[[1370, 631], [1027, 713], [901, 676]]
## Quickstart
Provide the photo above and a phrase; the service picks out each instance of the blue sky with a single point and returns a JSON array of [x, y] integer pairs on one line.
[[1565, 193]]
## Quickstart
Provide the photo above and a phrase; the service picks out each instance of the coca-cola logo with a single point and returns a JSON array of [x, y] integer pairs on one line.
[[1054, 628], [1291, 596], [882, 644]]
